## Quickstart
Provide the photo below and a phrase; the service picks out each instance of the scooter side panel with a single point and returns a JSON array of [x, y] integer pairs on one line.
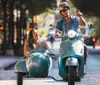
[[62, 70], [81, 65], [78, 48]]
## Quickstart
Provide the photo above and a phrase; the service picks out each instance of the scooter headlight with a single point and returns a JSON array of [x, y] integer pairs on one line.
[[71, 34]]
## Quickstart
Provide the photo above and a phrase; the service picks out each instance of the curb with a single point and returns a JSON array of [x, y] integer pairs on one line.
[[94, 51], [8, 62], [10, 65], [6, 67]]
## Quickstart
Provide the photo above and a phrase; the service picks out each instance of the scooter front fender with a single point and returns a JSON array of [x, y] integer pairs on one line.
[[72, 62]]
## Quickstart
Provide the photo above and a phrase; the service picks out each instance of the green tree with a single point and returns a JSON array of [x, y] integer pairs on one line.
[[90, 7], [38, 6]]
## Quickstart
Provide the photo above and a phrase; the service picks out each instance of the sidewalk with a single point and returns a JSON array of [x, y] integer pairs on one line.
[[7, 61]]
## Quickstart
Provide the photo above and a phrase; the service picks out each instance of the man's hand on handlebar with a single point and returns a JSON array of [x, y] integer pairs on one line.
[[58, 34]]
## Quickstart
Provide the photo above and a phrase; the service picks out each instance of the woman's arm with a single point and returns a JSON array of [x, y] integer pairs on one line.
[[25, 51]]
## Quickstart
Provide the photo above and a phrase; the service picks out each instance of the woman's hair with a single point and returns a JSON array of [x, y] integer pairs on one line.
[[30, 40]]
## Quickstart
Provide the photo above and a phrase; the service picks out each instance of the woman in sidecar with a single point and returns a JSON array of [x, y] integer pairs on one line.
[[38, 60], [34, 42]]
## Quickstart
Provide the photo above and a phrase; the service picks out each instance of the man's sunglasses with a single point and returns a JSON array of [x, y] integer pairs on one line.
[[64, 10]]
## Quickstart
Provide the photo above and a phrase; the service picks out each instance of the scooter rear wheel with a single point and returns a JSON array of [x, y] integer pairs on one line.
[[71, 76]]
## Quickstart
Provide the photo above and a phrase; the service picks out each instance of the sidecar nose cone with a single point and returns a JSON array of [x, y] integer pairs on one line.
[[38, 66]]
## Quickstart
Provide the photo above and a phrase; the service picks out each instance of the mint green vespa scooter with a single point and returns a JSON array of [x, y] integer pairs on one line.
[[71, 59]]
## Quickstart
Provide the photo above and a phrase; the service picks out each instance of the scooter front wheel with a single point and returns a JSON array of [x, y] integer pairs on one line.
[[71, 76]]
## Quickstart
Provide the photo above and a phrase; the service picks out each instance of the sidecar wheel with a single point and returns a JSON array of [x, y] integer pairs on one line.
[[71, 76], [19, 79]]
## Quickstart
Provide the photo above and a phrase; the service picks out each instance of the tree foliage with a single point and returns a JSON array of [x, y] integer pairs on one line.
[[38, 6], [90, 7]]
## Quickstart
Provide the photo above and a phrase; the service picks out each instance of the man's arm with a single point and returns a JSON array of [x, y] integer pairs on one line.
[[58, 28], [82, 20]]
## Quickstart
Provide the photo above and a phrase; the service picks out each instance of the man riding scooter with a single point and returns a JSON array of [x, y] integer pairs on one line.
[[68, 22], [72, 50]]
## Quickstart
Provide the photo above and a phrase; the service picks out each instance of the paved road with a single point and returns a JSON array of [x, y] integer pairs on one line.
[[92, 76]]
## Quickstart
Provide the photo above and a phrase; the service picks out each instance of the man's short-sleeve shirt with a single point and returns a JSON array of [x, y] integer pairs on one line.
[[64, 27]]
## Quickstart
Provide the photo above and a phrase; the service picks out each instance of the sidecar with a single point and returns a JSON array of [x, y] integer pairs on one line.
[[37, 64]]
